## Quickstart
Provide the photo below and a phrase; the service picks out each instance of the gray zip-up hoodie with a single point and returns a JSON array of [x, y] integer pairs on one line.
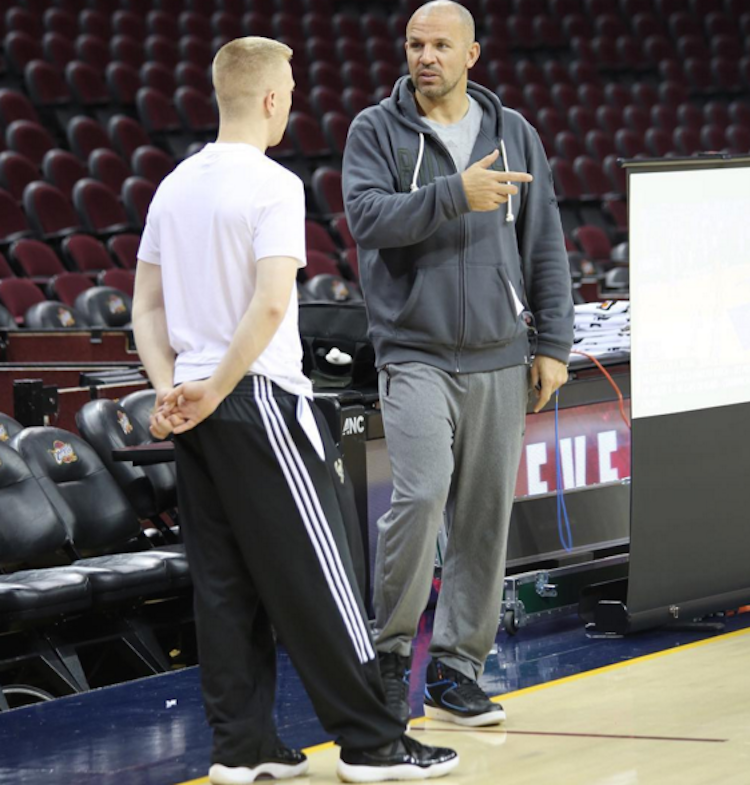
[[444, 285]]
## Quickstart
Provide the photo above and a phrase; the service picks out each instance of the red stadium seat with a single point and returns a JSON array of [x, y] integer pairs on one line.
[[99, 208], [151, 163], [137, 194], [16, 172], [107, 167], [18, 295], [86, 254], [13, 224], [29, 139], [124, 249], [123, 83], [66, 287], [36, 259], [50, 213], [86, 135]]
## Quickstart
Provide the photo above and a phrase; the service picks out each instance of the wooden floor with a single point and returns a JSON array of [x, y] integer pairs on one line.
[[678, 716]]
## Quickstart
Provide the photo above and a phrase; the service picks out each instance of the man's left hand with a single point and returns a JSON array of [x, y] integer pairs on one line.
[[547, 376]]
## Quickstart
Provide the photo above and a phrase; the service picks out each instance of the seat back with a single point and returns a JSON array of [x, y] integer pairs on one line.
[[96, 513], [52, 315], [105, 425], [103, 306]]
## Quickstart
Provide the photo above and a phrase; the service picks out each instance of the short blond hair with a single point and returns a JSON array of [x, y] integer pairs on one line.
[[245, 68]]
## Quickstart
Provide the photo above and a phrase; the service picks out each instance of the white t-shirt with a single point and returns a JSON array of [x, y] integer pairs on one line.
[[210, 221]]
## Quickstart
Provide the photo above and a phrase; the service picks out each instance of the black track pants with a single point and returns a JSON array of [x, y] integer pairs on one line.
[[267, 546]]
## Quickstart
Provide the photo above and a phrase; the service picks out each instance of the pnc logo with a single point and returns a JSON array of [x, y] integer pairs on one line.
[[353, 425]]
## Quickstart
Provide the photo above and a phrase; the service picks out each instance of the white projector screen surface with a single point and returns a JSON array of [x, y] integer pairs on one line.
[[689, 289]]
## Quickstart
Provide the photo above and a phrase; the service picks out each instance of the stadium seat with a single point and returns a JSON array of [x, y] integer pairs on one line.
[[190, 75], [124, 249], [326, 185], [63, 170], [127, 50], [18, 295], [36, 260], [86, 135], [333, 288], [66, 287], [14, 105], [106, 166], [103, 306], [58, 49], [87, 85], [159, 77], [197, 112], [99, 208], [115, 278], [162, 50], [13, 223], [126, 135], [30, 139], [93, 50], [16, 172], [51, 315], [50, 213], [151, 163], [86, 254], [137, 193]]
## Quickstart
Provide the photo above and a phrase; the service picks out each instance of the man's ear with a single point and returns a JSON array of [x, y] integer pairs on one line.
[[269, 103]]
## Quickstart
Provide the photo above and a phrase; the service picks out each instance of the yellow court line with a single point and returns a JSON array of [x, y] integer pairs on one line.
[[554, 683]]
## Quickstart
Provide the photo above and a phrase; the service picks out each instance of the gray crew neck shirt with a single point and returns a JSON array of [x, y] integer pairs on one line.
[[459, 138]]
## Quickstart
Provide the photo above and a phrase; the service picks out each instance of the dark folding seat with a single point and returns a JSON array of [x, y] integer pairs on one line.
[[108, 167], [66, 286], [122, 280], [340, 228], [350, 264], [196, 51], [383, 50], [537, 97], [124, 249], [744, 67], [583, 50], [564, 96], [615, 173], [123, 82], [16, 172], [658, 142], [354, 75], [617, 95], [50, 213], [682, 23], [14, 105], [86, 255], [103, 306], [355, 100], [60, 21], [530, 7], [610, 25], [581, 120], [738, 138], [151, 489], [511, 96], [692, 46], [159, 77], [137, 193], [86, 85], [324, 99], [94, 50], [351, 50], [347, 24], [160, 23], [320, 50], [591, 96], [599, 145], [698, 72], [45, 85], [629, 143], [307, 136], [36, 260], [86, 135], [609, 119], [318, 239], [385, 74], [58, 49], [561, 8], [30, 139], [225, 24], [156, 112], [63, 170], [98, 518], [713, 138], [317, 25], [529, 73], [616, 210], [636, 119], [93, 22], [673, 71], [568, 146], [690, 115], [288, 26], [548, 36], [326, 186], [129, 24], [645, 95], [520, 31], [705, 7], [726, 46], [51, 315], [18, 295], [6, 271], [664, 118], [716, 112], [739, 112], [567, 184], [591, 176], [335, 129], [687, 141], [657, 47], [594, 244], [162, 50], [551, 122], [20, 49], [190, 75], [672, 93], [151, 163], [13, 223], [645, 23], [326, 75], [127, 50], [98, 208], [197, 112], [725, 74]]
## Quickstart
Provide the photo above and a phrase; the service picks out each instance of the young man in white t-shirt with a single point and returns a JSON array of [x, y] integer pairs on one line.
[[215, 318]]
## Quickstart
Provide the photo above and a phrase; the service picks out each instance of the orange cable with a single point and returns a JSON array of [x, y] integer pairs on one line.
[[610, 380]]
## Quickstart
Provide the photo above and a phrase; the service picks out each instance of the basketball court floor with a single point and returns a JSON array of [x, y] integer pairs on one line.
[[658, 708]]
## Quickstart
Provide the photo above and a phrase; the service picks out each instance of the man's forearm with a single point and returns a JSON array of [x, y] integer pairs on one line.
[[152, 342]]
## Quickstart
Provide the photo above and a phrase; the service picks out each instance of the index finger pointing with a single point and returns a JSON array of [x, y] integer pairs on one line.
[[515, 177]]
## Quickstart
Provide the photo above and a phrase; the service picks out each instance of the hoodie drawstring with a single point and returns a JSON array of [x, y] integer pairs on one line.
[[509, 215], [414, 187]]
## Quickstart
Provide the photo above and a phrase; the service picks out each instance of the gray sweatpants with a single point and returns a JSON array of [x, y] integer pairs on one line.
[[454, 441]]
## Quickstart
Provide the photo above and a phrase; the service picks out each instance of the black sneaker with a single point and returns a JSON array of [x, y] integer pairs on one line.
[[282, 764], [453, 697], [403, 759], [395, 671]]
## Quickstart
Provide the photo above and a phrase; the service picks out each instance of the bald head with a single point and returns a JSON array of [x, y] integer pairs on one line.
[[454, 12], [245, 70]]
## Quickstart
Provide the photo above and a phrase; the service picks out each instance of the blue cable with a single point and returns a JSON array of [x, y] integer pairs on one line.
[[562, 510]]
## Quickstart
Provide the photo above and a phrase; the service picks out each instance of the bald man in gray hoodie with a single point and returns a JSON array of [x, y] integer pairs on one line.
[[449, 196]]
